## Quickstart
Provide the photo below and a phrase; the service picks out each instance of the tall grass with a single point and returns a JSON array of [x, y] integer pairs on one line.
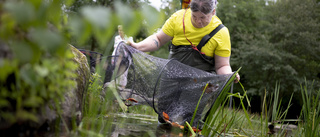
[[213, 125], [102, 106], [237, 121], [276, 113], [95, 108], [310, 113], [224, 121]]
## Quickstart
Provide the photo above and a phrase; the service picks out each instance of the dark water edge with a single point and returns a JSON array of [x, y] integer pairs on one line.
[[115, 125]]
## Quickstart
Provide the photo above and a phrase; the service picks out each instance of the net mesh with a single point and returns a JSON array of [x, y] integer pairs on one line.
[[167, 85]]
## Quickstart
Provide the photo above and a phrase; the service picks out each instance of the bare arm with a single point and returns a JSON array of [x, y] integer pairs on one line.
[[222, 66], [153, 42]]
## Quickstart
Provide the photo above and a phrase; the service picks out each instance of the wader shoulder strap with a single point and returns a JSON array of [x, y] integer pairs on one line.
[[206, 38]]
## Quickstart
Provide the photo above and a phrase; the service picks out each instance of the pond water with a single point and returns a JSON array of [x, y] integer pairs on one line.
[[137, 125], [118, 125]]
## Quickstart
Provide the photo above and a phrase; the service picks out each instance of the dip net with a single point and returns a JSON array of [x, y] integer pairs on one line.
[[170, 87]]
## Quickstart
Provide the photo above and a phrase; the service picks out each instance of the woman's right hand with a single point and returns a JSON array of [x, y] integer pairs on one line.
[[132, 44]]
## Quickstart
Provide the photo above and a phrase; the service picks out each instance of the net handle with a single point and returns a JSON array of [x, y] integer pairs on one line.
[[134, 73], [155, 86]]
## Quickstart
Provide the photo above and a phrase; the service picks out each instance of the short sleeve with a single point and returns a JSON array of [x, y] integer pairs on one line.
[[224, 45], [169, 26]]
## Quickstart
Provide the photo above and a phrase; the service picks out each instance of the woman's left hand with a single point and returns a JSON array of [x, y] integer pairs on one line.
[[237, 79]]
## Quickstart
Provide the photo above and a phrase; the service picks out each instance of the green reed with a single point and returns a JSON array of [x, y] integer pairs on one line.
[[213, 124], [310, 113], [237, 121]]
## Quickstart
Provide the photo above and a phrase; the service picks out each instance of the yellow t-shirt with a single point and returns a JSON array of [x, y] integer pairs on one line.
[[219, 44]]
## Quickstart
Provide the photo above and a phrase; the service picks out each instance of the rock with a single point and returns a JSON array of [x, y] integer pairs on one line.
[[74, 98], [285, 129], [72, 105]]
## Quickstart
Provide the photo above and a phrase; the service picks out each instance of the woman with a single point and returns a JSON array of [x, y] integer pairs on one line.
[[185, 29]]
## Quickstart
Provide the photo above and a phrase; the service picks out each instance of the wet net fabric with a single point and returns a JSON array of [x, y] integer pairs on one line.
[[167, 85]]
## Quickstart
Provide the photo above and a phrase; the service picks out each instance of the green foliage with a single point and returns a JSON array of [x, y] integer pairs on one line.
[[94, 101], [138, 20], [173, 6], [98, 104], [241, 17], [273, 41], [41, 68], [295, 33], [277, 114], [310, 113], [193, 134], [216, 123], [196, 109], [224, 121], [264, 65]]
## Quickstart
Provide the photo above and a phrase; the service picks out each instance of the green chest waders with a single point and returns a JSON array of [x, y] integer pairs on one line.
[[191, 57]]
